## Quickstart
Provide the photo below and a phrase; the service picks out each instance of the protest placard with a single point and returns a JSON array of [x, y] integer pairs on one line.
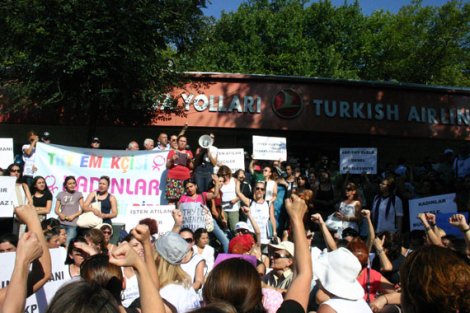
[[37, 303], [161, 213], [137, 178], [269, 148], [442, 220], [358, 160], [435, 204], [6, 152], [8, 199], [233, 158]]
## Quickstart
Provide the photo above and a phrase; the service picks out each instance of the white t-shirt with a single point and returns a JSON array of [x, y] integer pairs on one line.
[[207, 255], [131, 292], [387, 223], [183, 299], [190, 267], [348, 306], [28, 161], [260, 212], [269, 190], [228, 194]]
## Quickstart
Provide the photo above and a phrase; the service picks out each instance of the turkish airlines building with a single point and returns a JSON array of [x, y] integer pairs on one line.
[[315, 115], [322, 115]]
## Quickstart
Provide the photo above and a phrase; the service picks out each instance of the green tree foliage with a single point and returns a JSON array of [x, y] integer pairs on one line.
[[428, 45], [91, 60]]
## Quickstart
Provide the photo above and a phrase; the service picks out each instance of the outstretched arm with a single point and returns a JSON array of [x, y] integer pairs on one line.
[[42, 273], [142, 234], [240, 195], [329, 240], [150, 298], [371, 231], [385, 264], [29, 249], [297, 291], [458, 220], [435, 240]]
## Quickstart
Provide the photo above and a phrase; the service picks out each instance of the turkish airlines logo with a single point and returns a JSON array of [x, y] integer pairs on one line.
[[287, 104]]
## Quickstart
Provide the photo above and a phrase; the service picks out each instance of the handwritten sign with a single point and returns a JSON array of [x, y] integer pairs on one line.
[[38, 301], [269, 148], [435, 204], [161, 213], [358, 160], [8, 199], [6, 152], [233, 158]]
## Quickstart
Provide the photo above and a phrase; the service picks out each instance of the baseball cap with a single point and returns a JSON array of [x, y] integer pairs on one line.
[[172, 247]]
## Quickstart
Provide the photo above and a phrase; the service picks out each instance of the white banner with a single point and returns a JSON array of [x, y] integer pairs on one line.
[[233, 158], [6, 152], [37, 303], [435, 204], [269, 148], [161, 213], [358, 160], [138, 178], [8, 199]]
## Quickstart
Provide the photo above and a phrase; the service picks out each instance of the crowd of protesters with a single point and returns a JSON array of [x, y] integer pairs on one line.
[[283, 236]]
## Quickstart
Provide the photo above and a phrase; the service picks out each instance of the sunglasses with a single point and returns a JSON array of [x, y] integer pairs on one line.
[[243, 231], [15, 170], [107, 232], [172, 139], [259, 188], [188, 240], [279, 256]]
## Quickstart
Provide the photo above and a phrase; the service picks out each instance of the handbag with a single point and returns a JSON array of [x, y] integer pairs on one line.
[[333, 222], [208, 220], [89, 219]]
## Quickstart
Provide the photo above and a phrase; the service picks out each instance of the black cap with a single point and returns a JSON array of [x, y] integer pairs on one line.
[[95, 139]]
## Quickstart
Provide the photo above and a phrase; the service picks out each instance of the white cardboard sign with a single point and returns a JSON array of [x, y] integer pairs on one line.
[[6, 152], [8, 199], [269, 148], [37, 303], [161, 213], [358, 160], [233, 158]]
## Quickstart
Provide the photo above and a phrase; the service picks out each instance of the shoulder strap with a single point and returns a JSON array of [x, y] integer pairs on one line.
[[368, 284]]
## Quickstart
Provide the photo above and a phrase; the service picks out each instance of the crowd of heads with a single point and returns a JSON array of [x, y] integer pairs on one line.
[[426, 270]]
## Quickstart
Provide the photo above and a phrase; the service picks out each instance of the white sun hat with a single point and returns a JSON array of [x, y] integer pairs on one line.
[[337, 271]]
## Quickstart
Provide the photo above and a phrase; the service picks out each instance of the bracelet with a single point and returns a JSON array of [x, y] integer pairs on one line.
[[466, 230], [427, 229], [380, 251]]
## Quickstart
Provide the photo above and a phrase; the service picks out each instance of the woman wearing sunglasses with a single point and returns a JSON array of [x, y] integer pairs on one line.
[[349, 209], [260, 209], [23, 196]]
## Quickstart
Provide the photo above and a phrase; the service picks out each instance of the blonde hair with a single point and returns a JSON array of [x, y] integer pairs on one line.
[[171, 274]]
